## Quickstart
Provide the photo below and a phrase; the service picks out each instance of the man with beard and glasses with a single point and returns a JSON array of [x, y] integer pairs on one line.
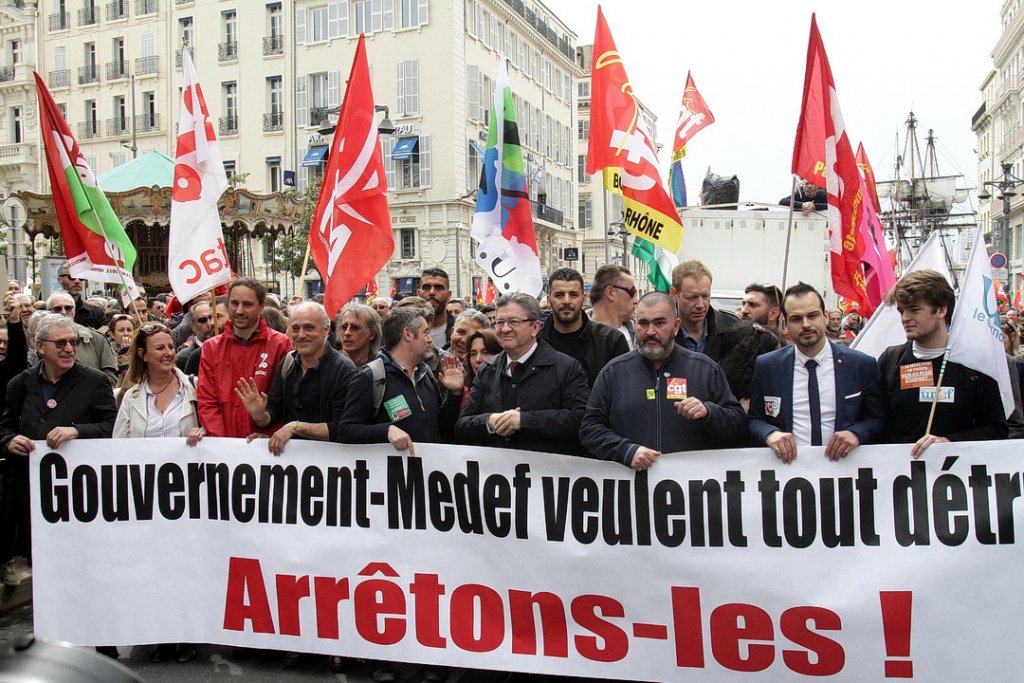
[[813, 392], [659, 398], [569, 330]]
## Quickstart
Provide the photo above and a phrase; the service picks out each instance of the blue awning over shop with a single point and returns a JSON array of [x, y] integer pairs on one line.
[[404, 148], [315, 155]]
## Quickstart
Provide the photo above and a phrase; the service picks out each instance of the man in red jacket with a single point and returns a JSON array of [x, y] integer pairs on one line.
[[246, 348]]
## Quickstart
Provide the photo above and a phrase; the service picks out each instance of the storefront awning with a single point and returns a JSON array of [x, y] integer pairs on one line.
[[315, 155], [404, 148]]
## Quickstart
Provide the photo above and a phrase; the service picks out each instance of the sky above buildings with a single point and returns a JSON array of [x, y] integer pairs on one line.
[[747, 58]]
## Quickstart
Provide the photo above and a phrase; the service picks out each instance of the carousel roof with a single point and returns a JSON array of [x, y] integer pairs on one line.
[[151, 169]]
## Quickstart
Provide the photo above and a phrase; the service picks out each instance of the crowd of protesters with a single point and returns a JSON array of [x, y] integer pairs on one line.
[[596, 371]]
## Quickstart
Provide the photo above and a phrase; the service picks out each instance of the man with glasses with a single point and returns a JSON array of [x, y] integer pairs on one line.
[[85, 314], [701, 326], [246, 348], [56, 401], [200, 318], [359, 331], [528, 397], [613, 297], [813, 392], [659, 398], [95, 351], [570, 331]]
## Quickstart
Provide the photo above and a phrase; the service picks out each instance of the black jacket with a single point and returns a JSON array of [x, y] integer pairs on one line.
[[83, 399], [629, 408], [593, 345], [87, 314], [550, 391], [718, 323], [17, 356], [336, 373]]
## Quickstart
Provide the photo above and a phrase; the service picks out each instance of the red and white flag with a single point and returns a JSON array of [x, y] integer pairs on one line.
[[197, 259], [350, 235], [694, 115], [823, 154]]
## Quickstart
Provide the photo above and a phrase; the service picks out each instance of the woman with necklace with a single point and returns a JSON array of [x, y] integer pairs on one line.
[[158, 400]]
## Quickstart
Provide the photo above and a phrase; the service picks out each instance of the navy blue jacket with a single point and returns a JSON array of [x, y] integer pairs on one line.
[[858, 397]]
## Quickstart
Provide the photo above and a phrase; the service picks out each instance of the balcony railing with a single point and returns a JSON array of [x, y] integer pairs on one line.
[[88, 74], [546, 213], [88, 129], [59, 21], [177, 57], [273, 45], [145, 123], [87, 16], [273, 121], [146, 65], [227, 51], [228, 125], [60, 78], [318, 115], [145, 6], [6, 73], [117, 125], [117, 70], [117, 10]]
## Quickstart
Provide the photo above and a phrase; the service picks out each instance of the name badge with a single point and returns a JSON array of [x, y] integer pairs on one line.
[[675, 390], [927, 394], [651, 394], [398, 408], [916, 375]]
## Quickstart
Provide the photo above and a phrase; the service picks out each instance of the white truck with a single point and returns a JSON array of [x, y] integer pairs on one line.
[[748, 245]]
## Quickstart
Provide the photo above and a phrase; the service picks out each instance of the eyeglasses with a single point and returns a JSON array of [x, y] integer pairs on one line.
[[514, 322], [63, 343], [628, 290], [61, 309], [153, 328], [355, 327], [202, 320]]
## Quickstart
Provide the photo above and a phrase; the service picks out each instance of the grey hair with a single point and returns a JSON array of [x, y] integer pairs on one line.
[[369, 317], [529, 303], [49, 321], [399, 320], [325, 320], [53, 297], [474, 315]]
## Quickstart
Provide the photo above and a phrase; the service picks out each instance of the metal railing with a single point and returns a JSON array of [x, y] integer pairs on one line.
[[273, 44], [87, 16], [117, 10], [60, 78], [146, 65], [145, 6], [228, 125], [88, 74], [6, 73], [273, 121], [319, 115], [145, 123], [177, 57], [117, 125], [88, 129], [59, 21], [117, 70], [227, 51]]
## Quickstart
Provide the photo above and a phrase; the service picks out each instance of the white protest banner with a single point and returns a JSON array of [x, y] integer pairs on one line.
[[713, 563]]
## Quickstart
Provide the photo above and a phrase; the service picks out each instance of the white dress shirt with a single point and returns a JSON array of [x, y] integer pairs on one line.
[[826, 373]]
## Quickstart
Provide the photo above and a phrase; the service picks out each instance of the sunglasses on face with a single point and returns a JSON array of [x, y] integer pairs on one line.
[[631, 291], [63, 343], [203, 319]]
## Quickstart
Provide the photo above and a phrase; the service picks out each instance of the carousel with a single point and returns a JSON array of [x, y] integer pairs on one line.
[[139, 192]]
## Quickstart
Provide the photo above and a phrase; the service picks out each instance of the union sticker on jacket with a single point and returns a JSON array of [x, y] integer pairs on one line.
[[675, 389], [772, 406]]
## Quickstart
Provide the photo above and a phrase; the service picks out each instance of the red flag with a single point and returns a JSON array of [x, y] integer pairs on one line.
[[822, 143], [868, 174], [371, 287], [490, 295], [1016, 297], [694, 115], [350, 235]]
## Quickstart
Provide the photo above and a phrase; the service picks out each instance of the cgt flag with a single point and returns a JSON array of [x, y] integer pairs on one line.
[[197, 259], [694, 116], [619, 141], [823, 154], [350, 236], [503, 222], [975, 335], [96, 244]]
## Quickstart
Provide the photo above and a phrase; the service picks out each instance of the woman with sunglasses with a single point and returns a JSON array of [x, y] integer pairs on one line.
[[158, 400]]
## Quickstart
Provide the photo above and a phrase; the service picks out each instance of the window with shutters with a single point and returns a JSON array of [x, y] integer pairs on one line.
[[413, 13], [407, 79], [301, 104], [473, 93], [364, 17], [317, 24]]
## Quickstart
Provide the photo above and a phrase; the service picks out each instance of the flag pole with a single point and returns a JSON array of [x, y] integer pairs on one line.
[[935, 398], [789, 234], [305, 266]]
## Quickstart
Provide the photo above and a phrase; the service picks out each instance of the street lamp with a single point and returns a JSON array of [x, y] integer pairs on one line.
[[1007, 188], [618, 229], [385, 127]]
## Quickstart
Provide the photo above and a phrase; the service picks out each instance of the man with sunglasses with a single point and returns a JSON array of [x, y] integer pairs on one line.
[[95, 351], [85, 314], [201, 323], [56, 401], [613, 297], [528, 397]]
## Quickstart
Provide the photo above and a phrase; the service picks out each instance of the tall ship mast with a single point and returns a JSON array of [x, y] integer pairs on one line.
[[922, 200]]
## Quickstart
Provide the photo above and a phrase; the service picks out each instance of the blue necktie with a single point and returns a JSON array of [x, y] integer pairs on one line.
[[814, 400]]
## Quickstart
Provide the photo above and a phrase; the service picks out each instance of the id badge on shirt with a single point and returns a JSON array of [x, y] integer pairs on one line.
[[675, 389], [398, 408], [915, 375], [927, 394]]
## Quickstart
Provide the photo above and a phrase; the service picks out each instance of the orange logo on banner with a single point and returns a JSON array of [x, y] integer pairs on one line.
[[916, 375]]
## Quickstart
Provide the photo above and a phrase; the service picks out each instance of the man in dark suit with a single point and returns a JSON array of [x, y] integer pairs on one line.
[[814, 392]]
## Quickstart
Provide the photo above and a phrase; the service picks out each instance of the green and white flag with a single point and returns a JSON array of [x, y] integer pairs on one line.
[[660, 263]]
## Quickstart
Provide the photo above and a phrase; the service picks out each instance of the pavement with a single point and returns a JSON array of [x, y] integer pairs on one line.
[[216, 663]]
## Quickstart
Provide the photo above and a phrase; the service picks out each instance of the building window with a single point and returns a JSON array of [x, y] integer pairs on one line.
[[364, 16], [148, 117], [581, 168], [274, 174], [318, 23], [229, 122], [15, 52], [408, 83], [229, 48], [585, 217], [414, 13], [474, 159], [229, 168], [583, 129], [16, 131], [407, 239]]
